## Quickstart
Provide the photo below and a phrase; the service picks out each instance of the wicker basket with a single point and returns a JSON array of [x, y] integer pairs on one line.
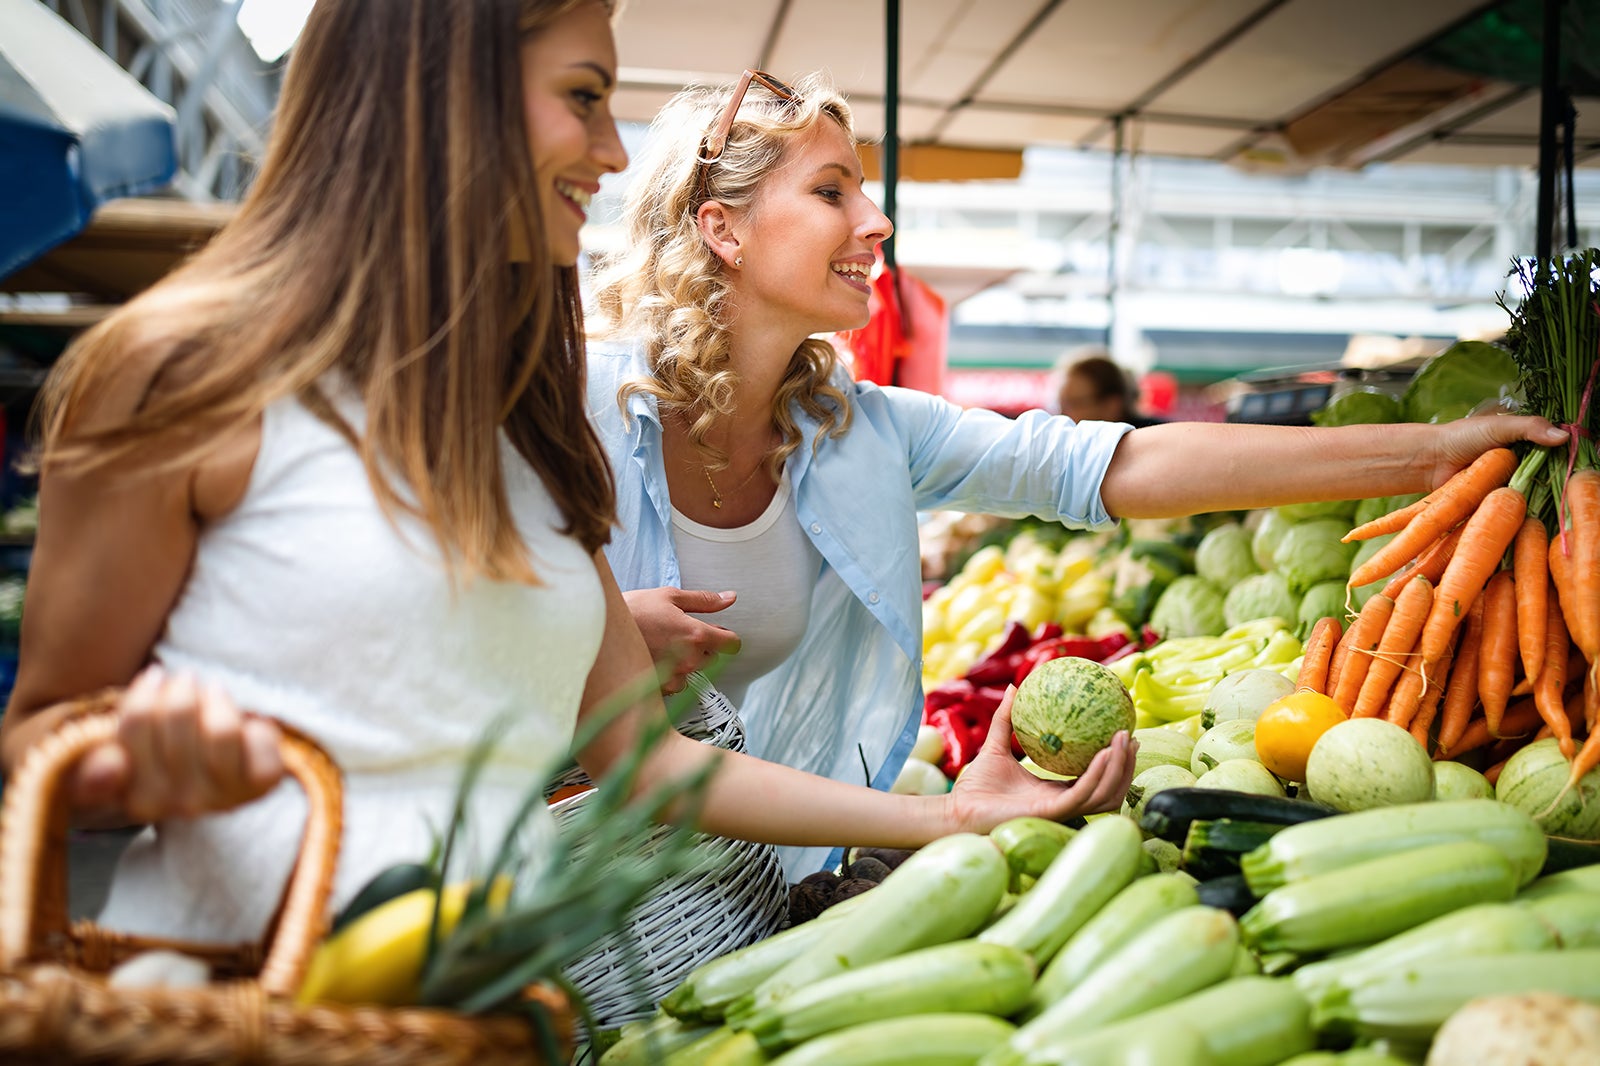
[[734, 895], [56, 1008]]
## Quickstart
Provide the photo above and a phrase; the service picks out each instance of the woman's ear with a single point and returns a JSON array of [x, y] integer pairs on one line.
[[717, 230]]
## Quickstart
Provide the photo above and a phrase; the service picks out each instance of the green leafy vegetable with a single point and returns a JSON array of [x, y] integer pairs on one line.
[[1459, 381]]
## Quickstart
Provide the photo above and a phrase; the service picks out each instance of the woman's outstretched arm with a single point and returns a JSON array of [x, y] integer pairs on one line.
[[751, 799], [1182, 468]]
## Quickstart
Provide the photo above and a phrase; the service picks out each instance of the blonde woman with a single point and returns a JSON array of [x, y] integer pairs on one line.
[[337, 471], [767, 502]]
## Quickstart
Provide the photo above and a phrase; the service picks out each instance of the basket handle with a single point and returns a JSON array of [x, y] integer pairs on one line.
[[33, 843]]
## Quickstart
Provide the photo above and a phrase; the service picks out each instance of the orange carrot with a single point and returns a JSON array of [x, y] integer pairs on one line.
[[1365, 632], [1430, 564], [1562, 575], [1319, 654], [1583, 618], [1587, 759], [1406, 699], [1492, 774], [1461, 695], [1428, 703], [1497, 653], [1489, 532], [1522, 718], [1533, 581], [1459, 497], [1394, 648], [1497, 464], [1551, 683]]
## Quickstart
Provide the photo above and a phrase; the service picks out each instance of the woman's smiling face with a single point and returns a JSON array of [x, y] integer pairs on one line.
[[810, 239], [568, 72]]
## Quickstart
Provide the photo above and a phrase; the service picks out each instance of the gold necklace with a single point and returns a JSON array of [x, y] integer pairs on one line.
[[716, 497]]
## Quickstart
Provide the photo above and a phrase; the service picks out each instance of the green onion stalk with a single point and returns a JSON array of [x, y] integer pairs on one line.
[[621, 845]]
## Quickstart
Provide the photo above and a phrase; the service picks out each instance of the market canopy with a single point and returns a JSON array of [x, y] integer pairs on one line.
[[1275, 83], [75, 130]]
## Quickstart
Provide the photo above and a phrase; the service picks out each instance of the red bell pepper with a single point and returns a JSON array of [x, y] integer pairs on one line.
[[964, 725], [1000, 665], [1096, 649]]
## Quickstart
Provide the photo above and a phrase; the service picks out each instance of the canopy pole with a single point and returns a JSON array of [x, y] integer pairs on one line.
[[1114, 230], [1549, 116], [891, 120]]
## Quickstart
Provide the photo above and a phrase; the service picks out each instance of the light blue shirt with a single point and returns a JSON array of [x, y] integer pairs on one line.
[[847, 703]]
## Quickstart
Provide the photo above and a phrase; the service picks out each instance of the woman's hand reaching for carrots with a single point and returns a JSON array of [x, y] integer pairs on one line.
[[183, 749], [1463, 440], [995, 786]]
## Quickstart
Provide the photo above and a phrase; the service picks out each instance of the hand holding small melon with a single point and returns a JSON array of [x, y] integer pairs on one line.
[[1091, 741]]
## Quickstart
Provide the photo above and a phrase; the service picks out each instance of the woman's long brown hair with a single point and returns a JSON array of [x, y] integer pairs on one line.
[[374, 249]]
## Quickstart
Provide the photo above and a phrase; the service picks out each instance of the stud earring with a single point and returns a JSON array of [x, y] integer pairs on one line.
[[738, 260]]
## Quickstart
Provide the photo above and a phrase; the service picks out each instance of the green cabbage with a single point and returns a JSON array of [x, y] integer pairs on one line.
[[1359, 407], [1321, 600], [1264, 545], [1260, 596], [1300, 512], [1378, 506], [1191, 607], [1223, 556], [1458, 381], [1311, 552]]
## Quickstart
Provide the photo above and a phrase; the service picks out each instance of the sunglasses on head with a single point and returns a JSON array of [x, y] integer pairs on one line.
[[715, 141]]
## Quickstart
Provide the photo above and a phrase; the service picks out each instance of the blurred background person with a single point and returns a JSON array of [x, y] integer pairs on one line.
[[1095, 389]]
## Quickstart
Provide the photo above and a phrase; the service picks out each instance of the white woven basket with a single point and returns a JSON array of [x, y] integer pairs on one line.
[[734, 895]]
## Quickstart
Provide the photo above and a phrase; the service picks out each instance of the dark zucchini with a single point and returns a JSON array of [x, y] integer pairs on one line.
[[1213, 846], [389, 883], [1566, 853], [1231, 893], [1169, 812]]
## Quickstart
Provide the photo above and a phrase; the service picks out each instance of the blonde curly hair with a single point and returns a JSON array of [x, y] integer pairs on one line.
[[670, 288]]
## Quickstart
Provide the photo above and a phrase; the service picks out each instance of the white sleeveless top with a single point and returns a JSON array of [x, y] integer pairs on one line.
[[307, 604], [773, 567]]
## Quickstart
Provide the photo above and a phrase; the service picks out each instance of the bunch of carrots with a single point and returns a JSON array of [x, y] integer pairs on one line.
[[1487, 632]]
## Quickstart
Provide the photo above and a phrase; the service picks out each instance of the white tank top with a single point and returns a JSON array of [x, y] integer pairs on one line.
[[772, 566], [308, 604]]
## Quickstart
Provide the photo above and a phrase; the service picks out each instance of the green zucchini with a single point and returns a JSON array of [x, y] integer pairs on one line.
[[1030, 844], [1168, 813], [1482, 929], [647, 1043], [1229, 893], [1372, 900], [966, 977], [1574, 917], [1099, 862], [1178, 954], [924, 1039], [696, 1052], [704, 995], [741, 1049], [1235, 835], [1128, 913], [1245, 1021], [1213, 845], [942, 893], [1303, 851], [1578, 879], [1410, 1002]]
